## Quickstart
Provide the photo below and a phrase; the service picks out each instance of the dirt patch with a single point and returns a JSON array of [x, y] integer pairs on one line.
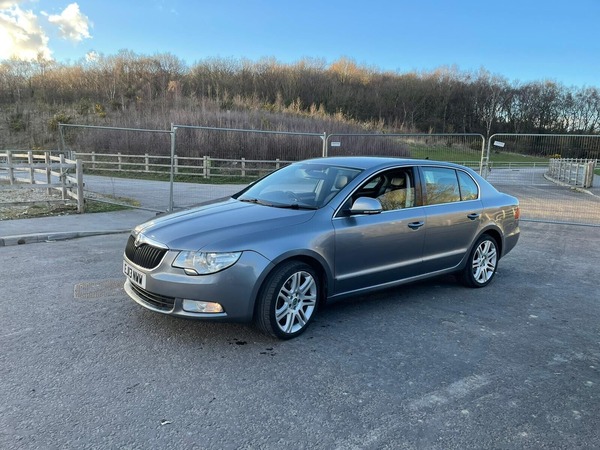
[[22, 202]]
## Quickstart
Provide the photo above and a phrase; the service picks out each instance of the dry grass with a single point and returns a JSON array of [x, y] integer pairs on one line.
[[26, 203]]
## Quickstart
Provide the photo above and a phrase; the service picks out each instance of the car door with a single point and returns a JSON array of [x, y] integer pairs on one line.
[[376, 249], [453, 211]]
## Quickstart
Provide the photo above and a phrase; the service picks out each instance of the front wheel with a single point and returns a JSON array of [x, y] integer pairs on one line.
[[288, 301], [482, 264]]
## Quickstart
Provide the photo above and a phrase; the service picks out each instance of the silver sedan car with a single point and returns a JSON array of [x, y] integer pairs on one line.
[[320, 230]]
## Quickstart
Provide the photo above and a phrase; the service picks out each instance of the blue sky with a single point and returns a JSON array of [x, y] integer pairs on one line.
[[521, 40]]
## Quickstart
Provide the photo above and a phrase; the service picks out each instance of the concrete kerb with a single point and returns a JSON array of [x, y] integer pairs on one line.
[[66, 227], [575, 188], [53, 237]]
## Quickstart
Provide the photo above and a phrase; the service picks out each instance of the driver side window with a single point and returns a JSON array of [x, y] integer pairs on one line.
[[395, 189]]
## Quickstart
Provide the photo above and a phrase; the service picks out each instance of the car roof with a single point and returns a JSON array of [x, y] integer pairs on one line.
[[373, 162]]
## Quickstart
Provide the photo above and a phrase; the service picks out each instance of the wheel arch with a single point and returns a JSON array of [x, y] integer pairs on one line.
[[497, 235], [313, 260]]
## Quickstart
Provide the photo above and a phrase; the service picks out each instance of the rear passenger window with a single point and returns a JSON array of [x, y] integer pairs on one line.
[[441, 185], [468, 187]]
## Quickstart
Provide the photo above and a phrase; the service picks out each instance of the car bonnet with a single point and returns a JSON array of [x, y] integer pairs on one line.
[[196, 228]]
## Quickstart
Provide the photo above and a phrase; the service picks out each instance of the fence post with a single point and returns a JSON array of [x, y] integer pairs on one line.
[[146, 163], [171, 172], [589, 176], [176, 162], [80, 196], [324, 144], [277, 164], [485, 160], [120, 158], [243, 167], [11, 170], [93, 160], [48, 161], [31, 169], [205, 166], [63, 177]]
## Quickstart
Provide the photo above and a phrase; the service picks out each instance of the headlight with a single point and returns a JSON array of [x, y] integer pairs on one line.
[[203, 263]]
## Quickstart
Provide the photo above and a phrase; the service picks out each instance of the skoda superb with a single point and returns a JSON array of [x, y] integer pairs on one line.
[[320, 230]]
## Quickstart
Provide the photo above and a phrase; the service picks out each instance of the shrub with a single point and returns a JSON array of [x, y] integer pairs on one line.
[[16, 122], [59, 118]]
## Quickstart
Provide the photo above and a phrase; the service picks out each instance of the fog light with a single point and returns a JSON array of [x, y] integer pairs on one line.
[[195, 306]]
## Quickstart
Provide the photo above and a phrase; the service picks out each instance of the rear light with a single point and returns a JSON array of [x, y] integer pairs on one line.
[[517, 213]]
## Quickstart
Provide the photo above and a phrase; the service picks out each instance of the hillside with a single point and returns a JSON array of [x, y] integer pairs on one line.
[[131, 90]]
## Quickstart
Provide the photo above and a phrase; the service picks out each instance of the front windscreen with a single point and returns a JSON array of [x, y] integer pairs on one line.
[[301, 185]]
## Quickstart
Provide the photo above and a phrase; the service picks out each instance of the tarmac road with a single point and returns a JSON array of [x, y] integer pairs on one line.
[[540, 198], [155, 194], [430, 365]]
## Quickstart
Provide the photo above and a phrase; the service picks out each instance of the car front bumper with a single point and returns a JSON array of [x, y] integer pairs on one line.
[[234, 288]]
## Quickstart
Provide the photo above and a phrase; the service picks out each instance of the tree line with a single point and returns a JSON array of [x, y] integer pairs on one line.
[[117, 89]]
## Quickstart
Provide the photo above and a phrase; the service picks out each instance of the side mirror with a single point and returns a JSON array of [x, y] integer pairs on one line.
[[366, 205]]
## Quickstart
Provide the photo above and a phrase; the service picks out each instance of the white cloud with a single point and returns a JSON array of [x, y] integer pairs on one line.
[[21, 36], [6, 4], [92, 56], [73, 25]]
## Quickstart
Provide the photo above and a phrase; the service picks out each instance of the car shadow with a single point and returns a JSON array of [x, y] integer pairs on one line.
[[334, 317]]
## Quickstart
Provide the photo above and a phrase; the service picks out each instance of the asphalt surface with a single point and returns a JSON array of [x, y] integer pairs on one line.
[[544, 200], [540, 200], [430, 365], [155, 194]]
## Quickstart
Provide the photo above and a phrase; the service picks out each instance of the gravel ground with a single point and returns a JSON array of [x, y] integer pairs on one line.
[[11, 206]]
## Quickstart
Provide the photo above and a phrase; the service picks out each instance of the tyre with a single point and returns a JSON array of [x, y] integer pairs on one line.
[[288, 300], [482, 264]]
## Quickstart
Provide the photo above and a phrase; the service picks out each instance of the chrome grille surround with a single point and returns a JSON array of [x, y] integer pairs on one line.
[[144, 255]]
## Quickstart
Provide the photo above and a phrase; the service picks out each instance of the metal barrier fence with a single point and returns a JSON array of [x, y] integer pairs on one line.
[[123, 188], [230, 158], [190, 164], [465, 149], [541, 197]]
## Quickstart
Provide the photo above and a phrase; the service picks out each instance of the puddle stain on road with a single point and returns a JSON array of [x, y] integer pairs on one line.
[[112, 287]]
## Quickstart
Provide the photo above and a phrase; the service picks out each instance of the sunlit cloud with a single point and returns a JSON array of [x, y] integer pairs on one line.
[[6, 4], [21, 35], [92, 56], [73, 25]]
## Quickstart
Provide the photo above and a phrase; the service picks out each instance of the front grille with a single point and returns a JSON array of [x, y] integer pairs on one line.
[[158, 301], [145, 255]]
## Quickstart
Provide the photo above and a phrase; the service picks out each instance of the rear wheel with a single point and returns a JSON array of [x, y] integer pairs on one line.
[[482, 264], [288, 300]]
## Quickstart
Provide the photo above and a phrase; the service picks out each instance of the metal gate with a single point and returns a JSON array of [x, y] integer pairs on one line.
[[519, 164], [167, 169]]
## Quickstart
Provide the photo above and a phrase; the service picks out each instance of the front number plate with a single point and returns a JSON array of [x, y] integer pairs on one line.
[[135, 276]]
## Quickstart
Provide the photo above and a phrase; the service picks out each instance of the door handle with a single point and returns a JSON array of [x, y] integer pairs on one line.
[[473, 216], [415, 225]]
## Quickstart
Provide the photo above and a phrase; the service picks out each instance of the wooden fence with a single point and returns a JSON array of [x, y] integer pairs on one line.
[[204, 166], [574, 172], [41, 170]]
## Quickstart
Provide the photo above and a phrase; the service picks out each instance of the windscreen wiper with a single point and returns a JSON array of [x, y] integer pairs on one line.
[[294, 206], [256, 201]]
